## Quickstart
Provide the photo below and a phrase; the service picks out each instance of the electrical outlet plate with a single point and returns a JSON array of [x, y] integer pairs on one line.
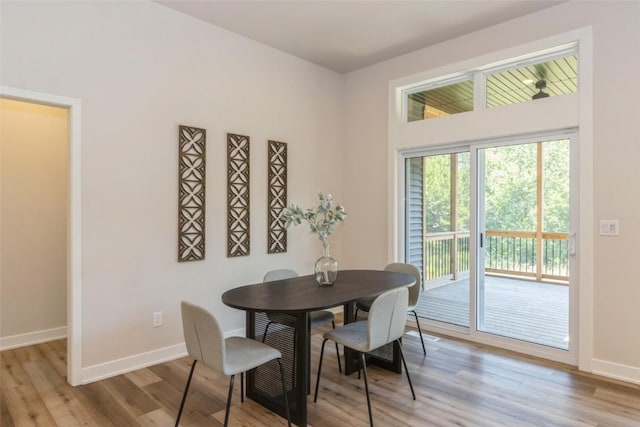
[[609, 227], [157, 319]]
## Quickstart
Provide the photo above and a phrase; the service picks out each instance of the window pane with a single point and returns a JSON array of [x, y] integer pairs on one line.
[[510, 188], [555, 173], [441, 101], [437, 193], [552, 78], [462, 188]]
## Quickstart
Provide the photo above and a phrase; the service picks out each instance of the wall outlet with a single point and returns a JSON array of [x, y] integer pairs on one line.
[[157, 319]]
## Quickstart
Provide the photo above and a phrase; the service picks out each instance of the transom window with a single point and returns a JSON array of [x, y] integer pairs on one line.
[[535, 77]]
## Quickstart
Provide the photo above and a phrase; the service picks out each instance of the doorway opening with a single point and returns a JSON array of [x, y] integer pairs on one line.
[[72, 218]]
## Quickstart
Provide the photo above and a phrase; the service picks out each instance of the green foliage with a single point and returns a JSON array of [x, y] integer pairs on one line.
[[437, 193], [437, 196], [510, 188], [555, 184], [322, 218]]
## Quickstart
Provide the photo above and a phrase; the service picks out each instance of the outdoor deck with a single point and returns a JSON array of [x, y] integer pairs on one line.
[[516, 308]]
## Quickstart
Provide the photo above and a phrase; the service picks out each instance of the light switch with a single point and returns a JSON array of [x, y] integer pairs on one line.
[[609, 227]]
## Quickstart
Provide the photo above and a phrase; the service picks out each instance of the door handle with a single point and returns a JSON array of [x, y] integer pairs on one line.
[[572, 244]]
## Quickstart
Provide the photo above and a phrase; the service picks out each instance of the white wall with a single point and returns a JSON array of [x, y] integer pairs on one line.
[[616, 127], [141, 70], [33, 231]]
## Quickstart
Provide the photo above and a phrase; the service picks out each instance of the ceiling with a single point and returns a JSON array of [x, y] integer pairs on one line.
[[347, 35]]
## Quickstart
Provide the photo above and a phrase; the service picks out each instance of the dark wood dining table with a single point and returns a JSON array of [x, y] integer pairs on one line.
[[298, 297]]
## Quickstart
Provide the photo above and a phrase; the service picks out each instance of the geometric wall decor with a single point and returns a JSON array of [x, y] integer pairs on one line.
[[238, 237], [191, 193], [277, 197]]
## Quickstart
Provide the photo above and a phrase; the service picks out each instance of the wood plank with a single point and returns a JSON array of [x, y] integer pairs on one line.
[[105, 407], [143, 377], [12, 375], [157, 418], [5, 416], [56, 395], [56, 355], [26, 407]]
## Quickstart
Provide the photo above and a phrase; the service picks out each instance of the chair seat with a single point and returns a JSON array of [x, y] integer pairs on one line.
[[352, 335], [243, 354], [316, 318], [364, 304], [320, 318]]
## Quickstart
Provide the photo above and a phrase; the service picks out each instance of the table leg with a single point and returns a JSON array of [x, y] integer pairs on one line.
[[351, 358], [295, 348], [303, 368]]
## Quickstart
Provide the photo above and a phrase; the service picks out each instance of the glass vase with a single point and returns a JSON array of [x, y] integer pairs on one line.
[[326, 268]]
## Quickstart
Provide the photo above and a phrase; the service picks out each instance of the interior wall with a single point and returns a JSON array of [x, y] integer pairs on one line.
[[141, 70], [33, 229], [616, 130]]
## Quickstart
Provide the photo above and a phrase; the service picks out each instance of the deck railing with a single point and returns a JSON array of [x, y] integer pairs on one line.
[[515, 253], [446, 254]]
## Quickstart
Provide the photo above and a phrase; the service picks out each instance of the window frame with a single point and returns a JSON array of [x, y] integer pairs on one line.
[[479, 76]]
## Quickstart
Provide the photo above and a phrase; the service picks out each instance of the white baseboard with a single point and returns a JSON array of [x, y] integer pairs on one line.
[[139, 361], [617, 371], [31, 338], [132, 363]]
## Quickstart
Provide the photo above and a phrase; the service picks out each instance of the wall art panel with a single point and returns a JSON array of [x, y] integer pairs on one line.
[[277, 197], [238, 232], [191, 193]]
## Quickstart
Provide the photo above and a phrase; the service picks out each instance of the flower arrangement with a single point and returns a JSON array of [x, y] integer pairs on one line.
[[322, 218]]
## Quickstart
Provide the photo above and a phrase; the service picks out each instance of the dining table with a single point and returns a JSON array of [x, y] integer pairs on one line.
[[298, 297]]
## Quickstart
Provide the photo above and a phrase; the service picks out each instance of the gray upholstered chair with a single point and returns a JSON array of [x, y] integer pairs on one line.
[[363, 304], [316, 318], [385, 324], [206, 343]]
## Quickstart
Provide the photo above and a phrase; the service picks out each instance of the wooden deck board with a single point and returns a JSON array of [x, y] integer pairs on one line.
[[515, 308]]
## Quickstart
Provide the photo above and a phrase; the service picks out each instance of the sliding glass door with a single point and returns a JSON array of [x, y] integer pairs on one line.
[[524, 224], [438, 233], [490, 227]]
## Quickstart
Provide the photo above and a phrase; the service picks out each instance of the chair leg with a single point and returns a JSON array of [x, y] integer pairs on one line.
[[284, 393], [366, 387], [420, 331], [264, 335], [405, 369], [226, 414], [337, 350], [315, 396], [186, 389], [242, 387]]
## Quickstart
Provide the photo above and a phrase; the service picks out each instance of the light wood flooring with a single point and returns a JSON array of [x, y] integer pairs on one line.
[[457, 384]]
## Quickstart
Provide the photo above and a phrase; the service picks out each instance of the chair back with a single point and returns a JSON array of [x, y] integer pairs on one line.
[[416, 289], [280, 274], [387, 317], [203, 336]]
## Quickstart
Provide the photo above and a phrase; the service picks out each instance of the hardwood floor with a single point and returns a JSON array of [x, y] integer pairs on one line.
[[457, 384]]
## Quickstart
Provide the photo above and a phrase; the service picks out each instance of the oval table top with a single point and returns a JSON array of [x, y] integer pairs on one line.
[[303, 293]]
